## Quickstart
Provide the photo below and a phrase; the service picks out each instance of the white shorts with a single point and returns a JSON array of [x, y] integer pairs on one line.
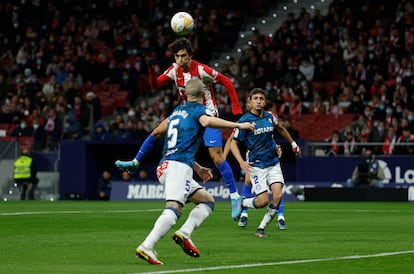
[[178, 181], [262, 178]]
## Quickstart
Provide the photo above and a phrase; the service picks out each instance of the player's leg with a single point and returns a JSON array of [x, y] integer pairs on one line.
[[174, 177], [272, 209], [148, 144], [213, 141], [246, 193], [275, 177], [281, 215], [204, 207], [162, 225]]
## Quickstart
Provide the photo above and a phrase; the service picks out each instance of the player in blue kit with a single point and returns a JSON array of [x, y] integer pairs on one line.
[[184, 131], [247, 186], [263, 162]]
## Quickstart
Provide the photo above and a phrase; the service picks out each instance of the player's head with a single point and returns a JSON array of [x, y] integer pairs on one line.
[[194, 89], [257, 91], [257, 98], [181, 43], [183, 52]]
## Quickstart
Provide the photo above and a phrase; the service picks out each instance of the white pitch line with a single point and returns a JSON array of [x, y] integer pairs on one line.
[[353, 257], [76, 212]]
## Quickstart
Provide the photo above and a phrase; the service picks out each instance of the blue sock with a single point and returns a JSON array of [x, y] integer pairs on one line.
[[281, 211], [227, 175], [148, 144], [247, 191]]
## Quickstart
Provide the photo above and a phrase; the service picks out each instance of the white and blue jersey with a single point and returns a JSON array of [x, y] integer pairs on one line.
[[184, 133], [260, 144]]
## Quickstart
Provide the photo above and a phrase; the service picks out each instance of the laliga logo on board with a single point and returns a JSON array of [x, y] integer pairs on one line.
[[387, 171], [401, 177]]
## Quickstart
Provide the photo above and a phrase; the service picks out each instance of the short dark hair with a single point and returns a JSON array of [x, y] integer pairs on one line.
[[257, 91], [179, 44]]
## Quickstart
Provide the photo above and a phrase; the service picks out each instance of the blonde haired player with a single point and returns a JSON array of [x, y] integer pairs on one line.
[[183, 130]]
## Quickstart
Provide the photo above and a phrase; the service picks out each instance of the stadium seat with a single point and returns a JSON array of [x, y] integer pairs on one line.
[[99, 87], [113, 88], [107, 106], [4, 129], [121, 99]]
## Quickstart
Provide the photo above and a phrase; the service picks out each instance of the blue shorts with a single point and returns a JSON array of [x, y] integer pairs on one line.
[[212, 137]]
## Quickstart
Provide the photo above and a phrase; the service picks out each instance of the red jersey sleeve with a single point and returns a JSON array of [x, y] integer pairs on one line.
[[228, 84], [157, 82]]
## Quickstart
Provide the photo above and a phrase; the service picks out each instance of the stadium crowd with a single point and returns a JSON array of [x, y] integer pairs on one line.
[[55, 58]]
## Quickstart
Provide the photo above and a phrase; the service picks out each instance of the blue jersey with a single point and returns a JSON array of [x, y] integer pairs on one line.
[[184, 133], [260, 144]]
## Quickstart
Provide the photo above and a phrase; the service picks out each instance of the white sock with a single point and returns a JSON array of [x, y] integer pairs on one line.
[[249, 202], [268, 217], [234, 195], [195, 219], [161, 226]]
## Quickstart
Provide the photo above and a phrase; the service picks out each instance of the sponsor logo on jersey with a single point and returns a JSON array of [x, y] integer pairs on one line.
[[263, 130]]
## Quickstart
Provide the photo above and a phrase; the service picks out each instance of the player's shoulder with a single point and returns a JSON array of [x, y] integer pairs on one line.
[[248, 116], [196, 108], [269, 112], [204, 68]]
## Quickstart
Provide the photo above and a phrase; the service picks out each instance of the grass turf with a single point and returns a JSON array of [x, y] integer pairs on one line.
[[101, 237]]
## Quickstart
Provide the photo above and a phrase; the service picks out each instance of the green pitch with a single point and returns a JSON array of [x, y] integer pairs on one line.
[[101, 237]]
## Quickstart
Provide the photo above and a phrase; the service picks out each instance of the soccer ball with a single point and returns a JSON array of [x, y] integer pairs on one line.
[[182, 23]]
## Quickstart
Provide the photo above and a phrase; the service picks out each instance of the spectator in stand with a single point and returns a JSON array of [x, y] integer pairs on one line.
[[71, 88], [363, 143], [333, 108], [54, 130], [405, 143], [350, 146], [410, 119], [388, 147], [140, 133], [100, 133], [129, 81], [94, 104], [122, 133], [104, 185], [114, 125], [334, 149], [401, 125], [317, 106], [39, 133], [307, 68], [377, 136], [81, 111], [359, 124], [22, 129], [126, 176], [356, 105], [71, 125], [287, 123], [306, 97], [296, 107]]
